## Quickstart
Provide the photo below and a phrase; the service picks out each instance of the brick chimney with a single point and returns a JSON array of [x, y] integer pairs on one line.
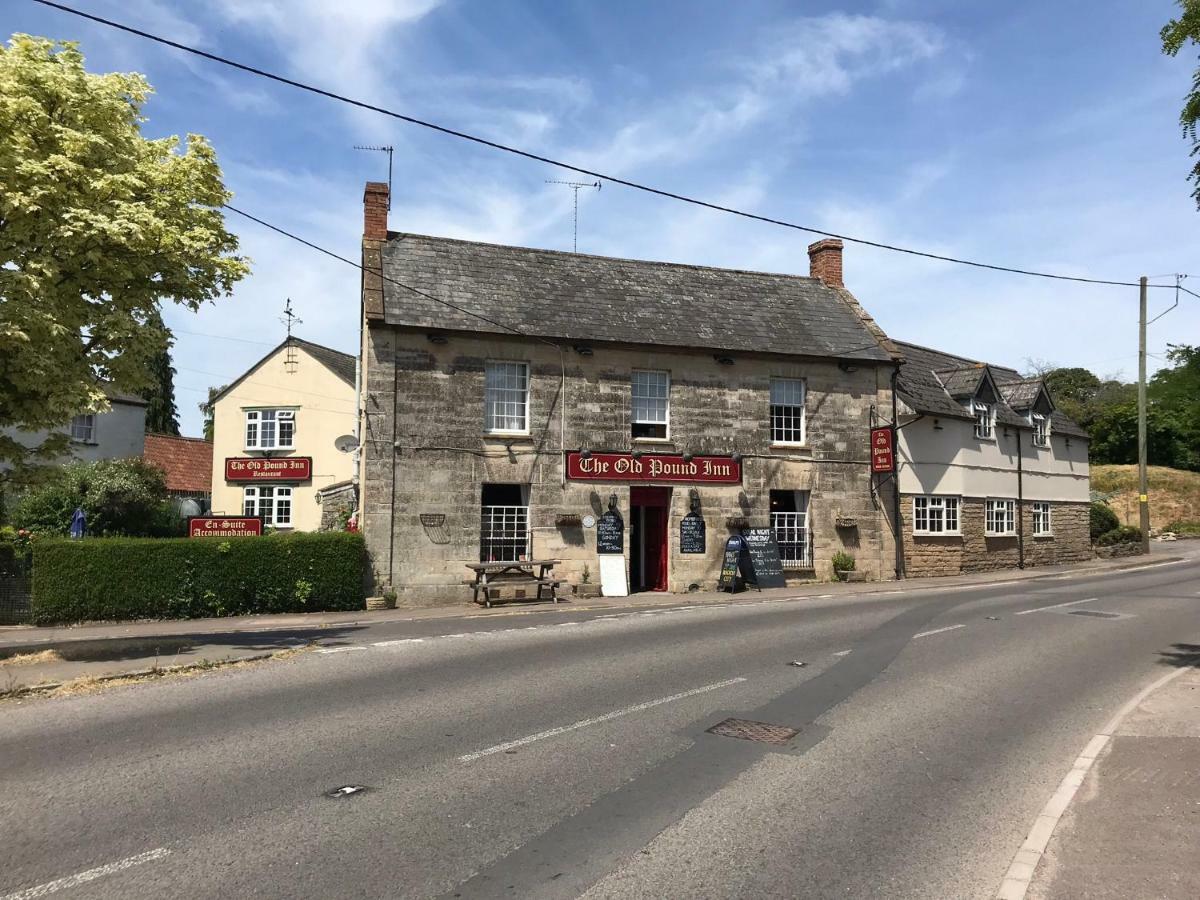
[[825, 261], [375, 211]]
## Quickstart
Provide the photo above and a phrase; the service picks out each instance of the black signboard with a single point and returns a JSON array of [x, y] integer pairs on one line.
[[731, 565], [610, 533], [691, 533], [764, 557]]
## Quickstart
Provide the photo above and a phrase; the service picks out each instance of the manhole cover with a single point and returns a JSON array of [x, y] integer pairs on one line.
[[1094, 614], [749, 730]]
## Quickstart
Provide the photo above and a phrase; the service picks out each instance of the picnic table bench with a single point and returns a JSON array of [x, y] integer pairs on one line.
[[513, 573]]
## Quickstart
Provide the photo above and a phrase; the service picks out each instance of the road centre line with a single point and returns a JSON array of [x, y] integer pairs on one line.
[[596, 720], [70, 881], [1026, 612], [937, 631]]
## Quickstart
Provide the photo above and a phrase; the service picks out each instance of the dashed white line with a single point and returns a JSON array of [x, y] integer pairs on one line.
[[398, 642], [60, 884], [596, 720], [1026, 612], [938, 631], [333, 650], [843, 653]]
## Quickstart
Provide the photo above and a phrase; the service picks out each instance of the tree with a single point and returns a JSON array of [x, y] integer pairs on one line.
[[1176, 33], [1074, 390], [98, 227], [207, 408]]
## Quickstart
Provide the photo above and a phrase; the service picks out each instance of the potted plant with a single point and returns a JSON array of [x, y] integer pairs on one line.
[[586, 588], [843, 565]]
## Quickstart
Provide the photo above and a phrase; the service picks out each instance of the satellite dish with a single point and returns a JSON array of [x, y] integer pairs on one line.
[[346, 443]]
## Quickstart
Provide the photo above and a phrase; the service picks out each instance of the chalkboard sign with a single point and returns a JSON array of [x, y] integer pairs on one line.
[[764, 557], [691, 534], [610, 533], [733, 565]]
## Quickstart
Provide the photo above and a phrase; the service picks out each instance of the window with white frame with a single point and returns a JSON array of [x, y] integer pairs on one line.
[[1041, 430], [504, 528], [83, 428], [1001, 517], [650, 406], [787, 411], [985, 419], [506, 397], [789, 523], [272, 504], [270, 429], [1041, 518], [935, 515]]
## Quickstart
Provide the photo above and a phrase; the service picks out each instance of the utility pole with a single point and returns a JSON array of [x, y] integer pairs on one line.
[[1143, 488]]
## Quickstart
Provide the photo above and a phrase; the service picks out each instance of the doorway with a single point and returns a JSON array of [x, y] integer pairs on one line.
[[649, 514]]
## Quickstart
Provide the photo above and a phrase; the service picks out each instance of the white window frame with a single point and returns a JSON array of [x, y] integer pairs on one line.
[[1000, 518], [639, 389], [83, 428], [1043, 524], [1041, 429], [504, 533], [937, 515], [778, 428], [256, 421], [504, 400], [985, 420], [273, 503]]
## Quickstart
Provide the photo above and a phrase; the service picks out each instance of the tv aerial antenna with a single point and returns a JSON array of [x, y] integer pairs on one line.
[[289, 318], [389, 150], [576, 187]]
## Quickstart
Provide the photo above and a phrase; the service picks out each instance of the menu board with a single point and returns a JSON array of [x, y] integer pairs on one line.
[[733, 564], [610, 533], [692, 534], [764, 557]]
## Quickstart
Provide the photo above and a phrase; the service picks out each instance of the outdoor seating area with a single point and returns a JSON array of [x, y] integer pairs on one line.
[[492, 579]]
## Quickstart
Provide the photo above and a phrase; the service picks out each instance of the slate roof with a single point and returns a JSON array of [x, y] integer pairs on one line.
[[584, 298], [921, 386], [187, 462], [962, 382]]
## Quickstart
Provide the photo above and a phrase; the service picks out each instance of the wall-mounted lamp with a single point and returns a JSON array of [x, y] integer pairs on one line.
[[582, 349], [737, 457], [689, 456], [937, 424], [847, 366], [438, 339], [694, 500], [612, 502], [723, 360], [636, 454], [585, 454], [1068, 442]]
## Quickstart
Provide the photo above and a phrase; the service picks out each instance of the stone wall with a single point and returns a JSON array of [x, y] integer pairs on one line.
[[975, 551], [433, 457], [336, 501]]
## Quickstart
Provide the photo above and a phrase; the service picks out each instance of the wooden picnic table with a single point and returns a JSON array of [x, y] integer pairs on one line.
[[539, 572]]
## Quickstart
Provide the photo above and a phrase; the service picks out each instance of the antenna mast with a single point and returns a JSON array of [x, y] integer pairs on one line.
[[389, 150], [289, 318], [576, 186]]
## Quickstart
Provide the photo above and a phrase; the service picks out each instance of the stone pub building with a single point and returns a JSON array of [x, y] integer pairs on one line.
[[512, 396]]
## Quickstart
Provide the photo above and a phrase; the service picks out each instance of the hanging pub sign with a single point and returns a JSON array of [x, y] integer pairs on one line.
[[610, 533], [764, 557], [224, 526], [691, 533], [883, 456], [261, 468], [658, 468]]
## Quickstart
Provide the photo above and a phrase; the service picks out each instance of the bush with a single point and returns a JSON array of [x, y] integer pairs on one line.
[[843, 562], [1122, 534], [104, 579], [118, 497], [1184, 527], [1101, 520]]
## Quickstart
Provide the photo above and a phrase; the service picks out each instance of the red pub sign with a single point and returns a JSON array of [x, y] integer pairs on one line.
[[255, 468], [883, 456], [224, 526], [655, 468]]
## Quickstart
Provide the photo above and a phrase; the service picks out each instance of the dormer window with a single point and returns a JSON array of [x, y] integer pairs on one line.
[[1041, 429], [985, 419]]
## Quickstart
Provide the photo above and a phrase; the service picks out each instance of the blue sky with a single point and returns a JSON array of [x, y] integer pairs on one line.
[[1039, 135]]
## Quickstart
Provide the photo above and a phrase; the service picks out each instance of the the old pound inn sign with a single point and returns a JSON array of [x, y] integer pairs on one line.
[[586, 466]]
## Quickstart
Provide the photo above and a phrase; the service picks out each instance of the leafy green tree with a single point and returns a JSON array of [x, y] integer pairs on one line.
[[118, 496], [207, 408], [98, 227], [1175, 34], [1073, 390]]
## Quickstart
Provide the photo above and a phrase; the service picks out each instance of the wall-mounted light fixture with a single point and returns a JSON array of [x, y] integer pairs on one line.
[[737, 457], [585, 454], [689, 456], [582, 349], [694, 500], [636, 454], [723, 360], [438, 339], [937, 424], [612, 502]]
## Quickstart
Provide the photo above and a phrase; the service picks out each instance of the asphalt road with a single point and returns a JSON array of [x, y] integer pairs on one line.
[[567, 755]]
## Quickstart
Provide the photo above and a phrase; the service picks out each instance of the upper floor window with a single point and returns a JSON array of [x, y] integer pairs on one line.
[[506, 397], [270, 429], [83, 428], [787, 411], [1001, 517], [935, 515], [985, 419], [1041, 430], [650, 408]]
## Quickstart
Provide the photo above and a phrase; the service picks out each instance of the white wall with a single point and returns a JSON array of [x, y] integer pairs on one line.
[[120, 433], [951, 460]]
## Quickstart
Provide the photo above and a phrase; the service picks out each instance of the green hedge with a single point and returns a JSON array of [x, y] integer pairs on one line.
[[1122, 534], [1101, 520], [104, 579]]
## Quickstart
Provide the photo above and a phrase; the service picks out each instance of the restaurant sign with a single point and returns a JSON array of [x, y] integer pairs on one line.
[[654, 468], [883, 456], [224, 526], [255, 468]]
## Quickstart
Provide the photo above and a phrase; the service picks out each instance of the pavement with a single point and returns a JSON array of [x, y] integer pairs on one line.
[[114, 650], [918, 738]]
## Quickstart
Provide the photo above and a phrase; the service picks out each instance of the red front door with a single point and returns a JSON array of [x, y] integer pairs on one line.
[[649, 507]]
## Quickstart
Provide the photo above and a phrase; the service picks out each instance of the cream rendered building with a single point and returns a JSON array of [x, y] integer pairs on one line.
[[290, 406]]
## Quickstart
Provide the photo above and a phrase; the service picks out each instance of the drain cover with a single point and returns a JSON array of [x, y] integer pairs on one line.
[[1094, 614], [749, 730]]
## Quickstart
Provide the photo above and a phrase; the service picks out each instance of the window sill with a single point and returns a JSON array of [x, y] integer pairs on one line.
[[783, 445], [1044, 537], [507, 435], [937, 534], [999, 534], [649, 440]]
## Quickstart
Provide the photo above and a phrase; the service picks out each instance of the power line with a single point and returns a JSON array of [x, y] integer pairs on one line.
[[220, 337], [462, 135]]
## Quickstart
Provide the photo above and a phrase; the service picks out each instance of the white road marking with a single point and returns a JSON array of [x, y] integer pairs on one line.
[[596, 720], [1020, 873], [843, 653], [938, 631], [328, 650], [60, 884], [398, 642], [1026, 612]]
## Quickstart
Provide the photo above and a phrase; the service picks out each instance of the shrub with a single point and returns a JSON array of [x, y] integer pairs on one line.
[[1101, 520], [1184, 527], [100, 579], [843, 562], [118, 497], [1122, 534]]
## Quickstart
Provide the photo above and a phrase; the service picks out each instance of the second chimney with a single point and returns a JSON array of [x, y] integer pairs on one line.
[[825, 261], [375, 211]]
